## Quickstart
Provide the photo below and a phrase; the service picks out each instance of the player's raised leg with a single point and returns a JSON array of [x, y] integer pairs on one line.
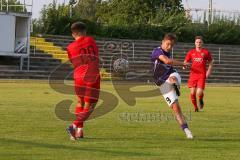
[[171, 97], [174, 81]]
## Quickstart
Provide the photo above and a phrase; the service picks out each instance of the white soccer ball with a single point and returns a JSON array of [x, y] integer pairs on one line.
[[121, 65]]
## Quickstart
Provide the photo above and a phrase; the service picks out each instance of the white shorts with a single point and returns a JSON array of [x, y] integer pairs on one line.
[[168, 90]]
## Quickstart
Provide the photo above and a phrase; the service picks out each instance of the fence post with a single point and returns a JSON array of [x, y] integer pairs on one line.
[[219, 55], [32, 6], [23, 6], [34, 48], [133, 44], [1, 5], [7, 5]]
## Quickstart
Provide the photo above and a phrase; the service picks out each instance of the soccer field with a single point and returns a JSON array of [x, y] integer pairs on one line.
[[30, 129]]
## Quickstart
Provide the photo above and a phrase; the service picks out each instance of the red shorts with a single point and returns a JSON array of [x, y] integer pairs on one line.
[[87, 91], [196, 82]]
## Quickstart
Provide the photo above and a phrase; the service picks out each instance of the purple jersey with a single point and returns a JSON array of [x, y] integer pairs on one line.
[[161, 71]]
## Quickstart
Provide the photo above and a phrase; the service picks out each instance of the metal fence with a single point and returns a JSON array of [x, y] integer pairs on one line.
[[21, 6], [199, 15]]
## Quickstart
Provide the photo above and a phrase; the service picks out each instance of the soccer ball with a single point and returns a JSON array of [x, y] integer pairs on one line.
[[120, 65]]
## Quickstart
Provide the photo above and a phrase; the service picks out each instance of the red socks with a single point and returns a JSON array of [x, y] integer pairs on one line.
[[201, 97], [84, 115], [78, 110], [81, 116], [194, 101], [201, 101]]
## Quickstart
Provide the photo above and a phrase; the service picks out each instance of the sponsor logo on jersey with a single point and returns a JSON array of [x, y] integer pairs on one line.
[[199, 60]]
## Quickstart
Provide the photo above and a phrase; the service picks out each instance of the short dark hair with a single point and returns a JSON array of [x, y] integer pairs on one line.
[[78, 27], [199, 37], [170, 36]]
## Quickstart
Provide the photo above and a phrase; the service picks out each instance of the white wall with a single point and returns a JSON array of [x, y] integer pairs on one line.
[[7, 33]]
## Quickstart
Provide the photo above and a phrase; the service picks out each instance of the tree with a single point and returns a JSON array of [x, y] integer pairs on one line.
[[86, 9], [132, 12], [55, 19]]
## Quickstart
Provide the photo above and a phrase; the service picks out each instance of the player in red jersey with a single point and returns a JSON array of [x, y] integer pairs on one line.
[[83, 54], [200, 57]]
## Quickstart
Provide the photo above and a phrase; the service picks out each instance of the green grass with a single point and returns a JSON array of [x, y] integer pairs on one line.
[[30, 129]]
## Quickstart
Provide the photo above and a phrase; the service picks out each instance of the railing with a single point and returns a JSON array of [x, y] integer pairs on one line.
[[200, 15], [33, 46], [23, 7]]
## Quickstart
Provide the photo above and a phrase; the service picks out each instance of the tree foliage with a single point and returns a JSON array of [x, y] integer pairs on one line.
[[125, 12], [54, 19], [86, 9], [135, 19]]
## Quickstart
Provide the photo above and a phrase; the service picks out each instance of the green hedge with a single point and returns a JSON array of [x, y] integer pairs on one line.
[[131, 32], [222, 32]]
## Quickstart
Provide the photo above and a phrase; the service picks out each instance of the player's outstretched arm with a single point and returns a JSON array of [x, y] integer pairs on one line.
[[209, 71], [172, 62]]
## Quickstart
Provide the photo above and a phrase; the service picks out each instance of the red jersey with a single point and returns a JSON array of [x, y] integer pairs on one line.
[[199, 61], [83, 53]]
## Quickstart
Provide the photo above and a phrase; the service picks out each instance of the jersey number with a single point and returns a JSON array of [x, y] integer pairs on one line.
[[87, 54], [168, 100]]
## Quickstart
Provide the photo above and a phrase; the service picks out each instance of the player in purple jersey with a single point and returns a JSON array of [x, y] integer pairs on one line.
[[167, 78]]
